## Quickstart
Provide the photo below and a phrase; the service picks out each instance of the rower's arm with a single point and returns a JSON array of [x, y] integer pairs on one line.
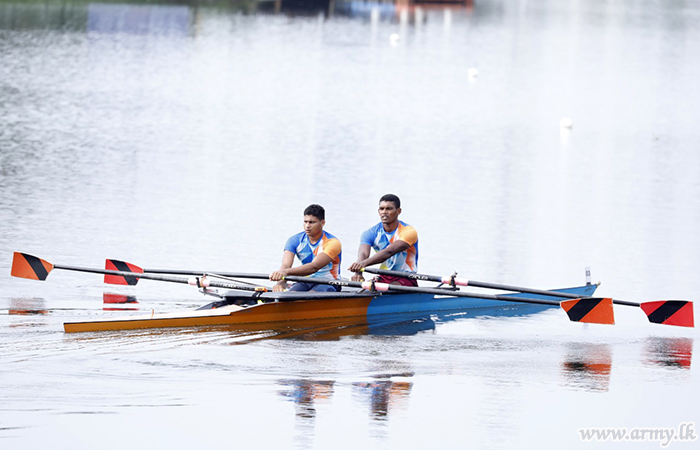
[[362, 254], [381, 256], [314, 266], [287, 261], [364, 260]]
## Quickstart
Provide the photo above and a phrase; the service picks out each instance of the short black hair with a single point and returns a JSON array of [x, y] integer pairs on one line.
[[315, 210], [391, 198]]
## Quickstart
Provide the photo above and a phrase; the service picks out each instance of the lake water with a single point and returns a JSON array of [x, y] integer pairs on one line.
[[192, 135]]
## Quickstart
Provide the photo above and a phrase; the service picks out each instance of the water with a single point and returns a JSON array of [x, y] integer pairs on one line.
[[193, 135]]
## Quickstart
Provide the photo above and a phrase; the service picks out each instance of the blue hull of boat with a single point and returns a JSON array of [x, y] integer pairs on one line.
[[406, 303]]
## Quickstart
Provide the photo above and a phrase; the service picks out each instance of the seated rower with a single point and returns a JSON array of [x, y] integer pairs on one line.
[[318, 251], [395, 243]]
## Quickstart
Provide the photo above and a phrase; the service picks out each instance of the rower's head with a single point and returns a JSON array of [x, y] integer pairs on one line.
[[314, 220], [389, 208]]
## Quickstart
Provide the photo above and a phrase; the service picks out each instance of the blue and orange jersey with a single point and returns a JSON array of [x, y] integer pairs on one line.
[[305, 252], [379, 239]]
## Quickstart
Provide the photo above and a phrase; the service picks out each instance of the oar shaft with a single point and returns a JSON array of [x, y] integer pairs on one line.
[[199, 273], [147, 276], [419, 290], [396, 288], [504, 287]]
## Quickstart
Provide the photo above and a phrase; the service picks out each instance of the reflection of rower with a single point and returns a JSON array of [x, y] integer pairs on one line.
[[297, 7], [383, 395], [304, 393]]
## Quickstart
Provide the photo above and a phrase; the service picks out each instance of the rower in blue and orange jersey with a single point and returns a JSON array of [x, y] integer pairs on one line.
[[318, 251], [395, 243]]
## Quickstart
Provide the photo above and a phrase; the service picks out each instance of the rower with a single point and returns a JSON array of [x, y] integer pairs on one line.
[[318, 251], [395, 243]]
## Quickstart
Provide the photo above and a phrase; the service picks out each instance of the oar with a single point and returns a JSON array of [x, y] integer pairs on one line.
[[33, 268], [587, 310], [592, 310], [665, 312], [123, 266]]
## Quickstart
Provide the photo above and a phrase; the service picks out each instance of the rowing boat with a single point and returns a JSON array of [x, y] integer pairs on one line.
[[268, 307]]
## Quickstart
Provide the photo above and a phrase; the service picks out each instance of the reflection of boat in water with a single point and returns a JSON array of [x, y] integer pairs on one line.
[[174, 20], [279, 307]]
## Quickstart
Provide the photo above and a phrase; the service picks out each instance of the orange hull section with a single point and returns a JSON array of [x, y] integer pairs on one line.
[[231, 315]]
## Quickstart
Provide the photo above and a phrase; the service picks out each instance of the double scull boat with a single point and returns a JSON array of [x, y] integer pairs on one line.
[[245, 308]]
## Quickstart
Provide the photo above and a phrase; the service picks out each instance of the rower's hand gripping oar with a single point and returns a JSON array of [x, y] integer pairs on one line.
[[666, 312], [591, 310], [33, 268]]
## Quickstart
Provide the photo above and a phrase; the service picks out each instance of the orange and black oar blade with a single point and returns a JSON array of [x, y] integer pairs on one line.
[[31, 267], [670, 312], [590, 310], [121, 266]]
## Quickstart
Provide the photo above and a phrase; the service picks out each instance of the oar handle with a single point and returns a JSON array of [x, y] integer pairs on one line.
[[401, 274], [452, 280]]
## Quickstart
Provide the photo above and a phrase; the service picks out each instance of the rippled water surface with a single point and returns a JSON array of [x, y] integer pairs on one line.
[[192, 135]]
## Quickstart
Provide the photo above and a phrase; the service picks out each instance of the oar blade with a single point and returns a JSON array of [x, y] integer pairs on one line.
[[590, 310], [670, 312], [30, 267], [121, 266]]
